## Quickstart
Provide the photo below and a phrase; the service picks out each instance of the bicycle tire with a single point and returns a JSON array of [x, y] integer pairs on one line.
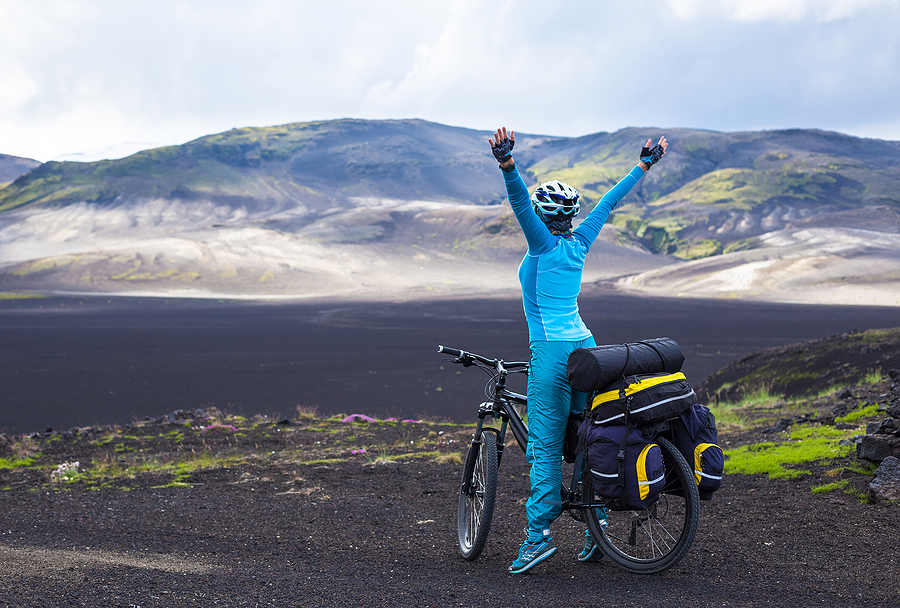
[[651, 540], [476, 506]]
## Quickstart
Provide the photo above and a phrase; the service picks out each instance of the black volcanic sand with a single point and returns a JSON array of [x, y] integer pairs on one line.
[[275, 532], [69, 361]]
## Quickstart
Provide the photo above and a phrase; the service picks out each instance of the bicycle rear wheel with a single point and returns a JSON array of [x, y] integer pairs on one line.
[[477, 494], [653, 539]]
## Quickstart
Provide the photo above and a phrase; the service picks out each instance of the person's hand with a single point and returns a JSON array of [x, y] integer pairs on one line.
[[502, 145], [650, 156]]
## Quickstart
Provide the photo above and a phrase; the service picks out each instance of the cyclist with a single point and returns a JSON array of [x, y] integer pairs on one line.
[[550, 275]]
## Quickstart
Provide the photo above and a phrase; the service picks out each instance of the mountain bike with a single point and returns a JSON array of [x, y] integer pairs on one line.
[[642, 541]]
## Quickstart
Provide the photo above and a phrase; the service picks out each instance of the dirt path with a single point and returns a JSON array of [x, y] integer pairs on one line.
[[359, 534]]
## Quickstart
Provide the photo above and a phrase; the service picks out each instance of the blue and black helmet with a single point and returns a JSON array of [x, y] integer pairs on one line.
[[555, 198]]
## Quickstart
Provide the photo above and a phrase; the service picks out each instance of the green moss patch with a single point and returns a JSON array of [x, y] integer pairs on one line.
[[866, 412], [829, 487], [16, 462], [806, 444]]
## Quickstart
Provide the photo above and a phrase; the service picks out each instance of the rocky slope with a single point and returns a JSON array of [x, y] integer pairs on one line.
[[807, 368]]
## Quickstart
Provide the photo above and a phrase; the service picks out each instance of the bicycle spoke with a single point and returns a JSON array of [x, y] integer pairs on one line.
[[653, 539], [476, 506]]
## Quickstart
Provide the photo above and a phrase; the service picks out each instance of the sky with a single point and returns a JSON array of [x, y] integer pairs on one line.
[[90, 79]]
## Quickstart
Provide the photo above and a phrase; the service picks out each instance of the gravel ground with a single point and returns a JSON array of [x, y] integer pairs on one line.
[[361, 531]]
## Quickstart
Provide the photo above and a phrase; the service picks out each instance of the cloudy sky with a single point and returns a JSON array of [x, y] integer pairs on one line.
[[86, 79]]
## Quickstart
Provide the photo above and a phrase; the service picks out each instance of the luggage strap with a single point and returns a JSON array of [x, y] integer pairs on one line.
[[620, 457], [580, 455], [662, 361]]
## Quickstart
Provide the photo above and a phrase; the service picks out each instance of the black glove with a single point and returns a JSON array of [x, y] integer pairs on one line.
[[502, 151], [651, 156]]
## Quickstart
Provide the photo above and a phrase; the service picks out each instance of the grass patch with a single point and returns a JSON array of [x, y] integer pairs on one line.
[[857, 493], [320, 461], [872, 376], [825, 392], [448, 458], [173, 484], [384, 457], [16, 461], [19, 296], [866, 412], [828, 487], [728, 417], [305, 412], [760, 398], [104, 473], [863, 468], [735, 413], [106, 440], [807, 444]]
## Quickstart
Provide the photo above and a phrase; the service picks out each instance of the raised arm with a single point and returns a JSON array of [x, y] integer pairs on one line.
[[589, 229], [536, 232]]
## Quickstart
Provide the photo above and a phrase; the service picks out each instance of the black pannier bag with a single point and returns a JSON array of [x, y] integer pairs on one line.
[[570, 443], [595, 368], [626, 468], [642, 400], [694, 434]]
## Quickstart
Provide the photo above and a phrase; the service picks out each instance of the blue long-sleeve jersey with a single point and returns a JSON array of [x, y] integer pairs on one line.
[[550, 272]]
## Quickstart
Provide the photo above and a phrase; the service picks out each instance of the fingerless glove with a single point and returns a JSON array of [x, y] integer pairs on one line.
[[651, 156], [502, 151]]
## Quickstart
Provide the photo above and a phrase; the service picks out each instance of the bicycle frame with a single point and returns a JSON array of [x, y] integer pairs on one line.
[[639, 540], [502, 407]]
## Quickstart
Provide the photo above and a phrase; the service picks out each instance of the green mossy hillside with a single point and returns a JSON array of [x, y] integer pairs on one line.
[[712, 194]]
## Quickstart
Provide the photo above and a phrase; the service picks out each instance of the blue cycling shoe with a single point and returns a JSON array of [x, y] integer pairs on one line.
[[531, 554], [590, 552]]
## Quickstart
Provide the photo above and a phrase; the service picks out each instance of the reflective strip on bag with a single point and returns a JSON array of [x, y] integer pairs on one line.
[[698, 466], [637, 387], [644, 483], [663, 402], [608, 420], [599, 474]]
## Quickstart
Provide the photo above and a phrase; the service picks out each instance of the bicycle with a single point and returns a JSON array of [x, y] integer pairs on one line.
[[642, 541]]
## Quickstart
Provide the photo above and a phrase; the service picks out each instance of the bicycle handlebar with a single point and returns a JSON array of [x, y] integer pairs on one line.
[[450, 351], [467, 358]]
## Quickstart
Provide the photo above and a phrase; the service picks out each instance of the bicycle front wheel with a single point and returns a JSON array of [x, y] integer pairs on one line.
[[653, 539], [477, 494]]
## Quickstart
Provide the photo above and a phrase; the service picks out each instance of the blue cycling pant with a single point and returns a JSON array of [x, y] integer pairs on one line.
[[550, 401]]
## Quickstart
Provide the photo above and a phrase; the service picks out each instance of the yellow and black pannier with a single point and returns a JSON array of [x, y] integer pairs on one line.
[[626, 467], [642, 400], [694, 434]]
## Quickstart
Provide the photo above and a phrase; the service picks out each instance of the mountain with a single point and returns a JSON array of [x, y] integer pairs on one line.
[[356, 206], [11, 167], [264, 170]]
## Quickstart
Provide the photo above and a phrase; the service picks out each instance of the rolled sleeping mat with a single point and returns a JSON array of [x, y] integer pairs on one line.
[[596, 368]]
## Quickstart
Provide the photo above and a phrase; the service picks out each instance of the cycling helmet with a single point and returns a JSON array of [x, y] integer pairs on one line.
[[554, 198]]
